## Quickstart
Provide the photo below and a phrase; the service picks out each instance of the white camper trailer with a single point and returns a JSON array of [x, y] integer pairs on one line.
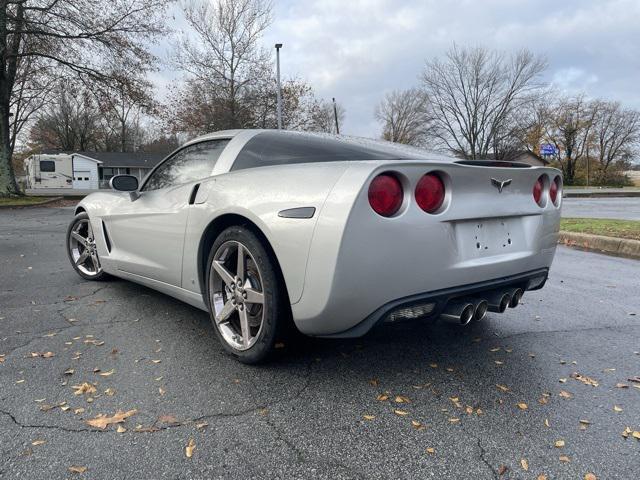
[[49, 171]]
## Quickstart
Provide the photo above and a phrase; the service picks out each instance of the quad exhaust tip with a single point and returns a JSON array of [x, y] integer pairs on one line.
[[516, 296], [480, 310], [458, 312], [499, 301]]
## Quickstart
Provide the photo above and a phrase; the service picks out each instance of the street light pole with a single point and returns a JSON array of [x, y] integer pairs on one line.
[[335, 116], [279, 92]]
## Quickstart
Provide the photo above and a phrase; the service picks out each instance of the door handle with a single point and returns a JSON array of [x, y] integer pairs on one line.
[[194, 193]]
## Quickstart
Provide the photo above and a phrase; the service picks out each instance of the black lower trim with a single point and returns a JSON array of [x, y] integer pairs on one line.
[[442, 297]]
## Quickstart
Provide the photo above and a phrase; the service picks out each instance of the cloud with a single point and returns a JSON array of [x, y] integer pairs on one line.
[[357, 50]]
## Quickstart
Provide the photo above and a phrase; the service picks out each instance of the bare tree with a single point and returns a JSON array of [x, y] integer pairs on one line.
[[323, 117], [616, 134], [474, 92], [225, 59], [75, 35], [406, 117], [70, 122], [124, 96], [570, 130]]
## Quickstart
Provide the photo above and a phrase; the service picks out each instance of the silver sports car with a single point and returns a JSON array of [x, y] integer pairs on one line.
[[270, 229]]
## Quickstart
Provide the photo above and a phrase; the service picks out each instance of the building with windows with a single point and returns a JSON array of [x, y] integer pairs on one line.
[[86, 170]]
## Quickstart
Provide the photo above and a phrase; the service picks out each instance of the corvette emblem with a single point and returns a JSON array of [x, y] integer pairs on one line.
[[500, 185]]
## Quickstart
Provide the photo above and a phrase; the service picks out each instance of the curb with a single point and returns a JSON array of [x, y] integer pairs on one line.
[[621, 247], [39, 204]]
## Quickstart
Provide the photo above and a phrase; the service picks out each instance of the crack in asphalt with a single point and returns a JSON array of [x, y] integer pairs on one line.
[[185, 423], [484, 460]]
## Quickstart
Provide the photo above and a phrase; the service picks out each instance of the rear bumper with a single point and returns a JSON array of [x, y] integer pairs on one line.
[[533, 280]]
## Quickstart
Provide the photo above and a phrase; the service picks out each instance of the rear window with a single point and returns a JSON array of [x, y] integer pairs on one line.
[[47, 166], [278, 148]]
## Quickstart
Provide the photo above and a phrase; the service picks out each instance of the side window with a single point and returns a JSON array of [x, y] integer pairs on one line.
[[191, 163], [47, 166]]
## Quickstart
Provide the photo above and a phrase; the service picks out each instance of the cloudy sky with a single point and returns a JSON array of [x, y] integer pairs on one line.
[[357, 50]]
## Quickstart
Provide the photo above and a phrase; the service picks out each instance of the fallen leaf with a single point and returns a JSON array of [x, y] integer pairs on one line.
[[431, 450], [502, 469], [35, 443], [495, 349], [191, 446], [110, 391], [373, 382], [523, 406], [101, 421], [559, 443], [84, 388], [454, 420], [636, 435], [504, 388], [546, 422], [498, 362], [201, 425], [167, 419], [417, 425], [106, 374], [402, 399], [564, 458], [616, 408], [402, 413], [368, 417], [590, 476], [382, 397], [156, 361], [141, 429], [524, 464], [622, 385], [161, 390], [78, 411], [433, 365], [542, 476], [77, 469], [121, 429], [69, 372], [584, 379], [565, 394]]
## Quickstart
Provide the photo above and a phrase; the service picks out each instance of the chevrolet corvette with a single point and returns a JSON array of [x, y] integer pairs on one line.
[[268, 230]]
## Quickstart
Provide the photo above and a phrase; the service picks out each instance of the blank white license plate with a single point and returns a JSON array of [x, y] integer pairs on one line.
[[496, 236]]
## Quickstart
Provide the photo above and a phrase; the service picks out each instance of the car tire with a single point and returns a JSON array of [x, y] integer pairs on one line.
[[90, 269], [261, 276]]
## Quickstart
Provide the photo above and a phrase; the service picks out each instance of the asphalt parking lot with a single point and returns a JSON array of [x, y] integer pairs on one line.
[[546, 389]]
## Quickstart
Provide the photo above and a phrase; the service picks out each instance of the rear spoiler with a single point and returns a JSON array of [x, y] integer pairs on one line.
[[493, 163]]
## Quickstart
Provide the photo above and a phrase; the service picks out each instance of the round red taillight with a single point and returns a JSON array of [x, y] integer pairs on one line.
[[385, 194], [538, 187], [554, 188], [430, 193]]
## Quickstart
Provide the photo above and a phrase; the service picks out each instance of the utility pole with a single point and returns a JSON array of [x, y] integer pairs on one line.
[[335, 116], [279, 93]]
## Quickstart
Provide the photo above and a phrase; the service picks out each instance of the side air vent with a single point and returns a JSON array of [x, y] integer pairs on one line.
[[493, 163], [107, 240]]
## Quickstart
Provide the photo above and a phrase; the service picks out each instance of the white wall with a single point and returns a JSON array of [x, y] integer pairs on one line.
[[84, 169]]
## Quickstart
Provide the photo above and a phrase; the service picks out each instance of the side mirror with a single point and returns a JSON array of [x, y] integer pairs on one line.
[[124, 183]]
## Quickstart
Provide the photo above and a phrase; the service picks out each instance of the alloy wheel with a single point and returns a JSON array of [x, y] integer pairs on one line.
[[82, 248], [236, 295]]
